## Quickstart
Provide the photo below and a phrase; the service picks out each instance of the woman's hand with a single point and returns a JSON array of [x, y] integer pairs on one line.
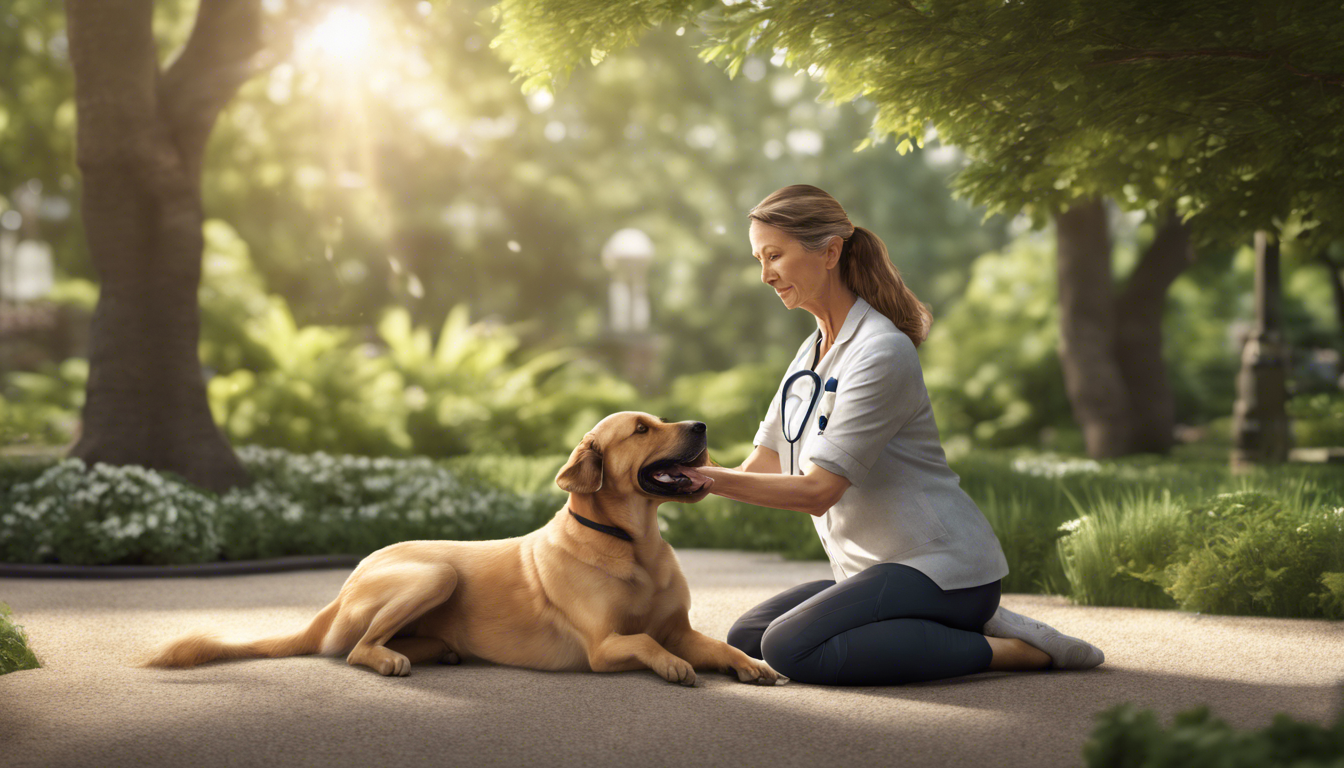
[[813, 493]]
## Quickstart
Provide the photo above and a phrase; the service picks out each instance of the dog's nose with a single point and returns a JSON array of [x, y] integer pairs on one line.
[[698, 426]]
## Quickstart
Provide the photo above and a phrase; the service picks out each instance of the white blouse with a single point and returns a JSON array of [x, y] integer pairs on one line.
[[904, 504]]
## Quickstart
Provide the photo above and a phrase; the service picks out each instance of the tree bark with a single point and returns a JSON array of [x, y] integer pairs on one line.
[[1138, 342], [140, 143], [1336, 277], [1092, 376]]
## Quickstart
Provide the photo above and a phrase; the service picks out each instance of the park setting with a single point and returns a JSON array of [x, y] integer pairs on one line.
[[288, 283]]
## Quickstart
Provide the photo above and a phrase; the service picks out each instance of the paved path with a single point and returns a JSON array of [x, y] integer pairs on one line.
[[86, 708]]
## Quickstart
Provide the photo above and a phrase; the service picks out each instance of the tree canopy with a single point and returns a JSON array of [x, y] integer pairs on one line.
[[1226, 112]]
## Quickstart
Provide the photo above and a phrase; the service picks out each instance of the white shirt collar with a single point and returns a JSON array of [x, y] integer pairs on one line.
[[852, 319]]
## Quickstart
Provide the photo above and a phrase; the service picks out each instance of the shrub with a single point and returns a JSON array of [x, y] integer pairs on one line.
[[1250, 553], [1318, 420], [1129, 737], [1242, 552], [107, 515], [15, 654], [315, 504]]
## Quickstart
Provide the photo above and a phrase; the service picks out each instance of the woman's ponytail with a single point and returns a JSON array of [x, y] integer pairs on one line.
[[868, 272]]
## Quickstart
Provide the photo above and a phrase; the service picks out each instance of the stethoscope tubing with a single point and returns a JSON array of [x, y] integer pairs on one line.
[[807, 415]]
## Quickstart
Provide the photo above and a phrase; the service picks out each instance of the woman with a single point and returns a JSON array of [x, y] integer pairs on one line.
[[917, 567]]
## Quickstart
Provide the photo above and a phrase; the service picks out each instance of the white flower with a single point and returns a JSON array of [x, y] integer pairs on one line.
[[1072, 525]]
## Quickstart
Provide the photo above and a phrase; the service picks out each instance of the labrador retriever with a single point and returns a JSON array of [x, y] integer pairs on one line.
[[596, 588]]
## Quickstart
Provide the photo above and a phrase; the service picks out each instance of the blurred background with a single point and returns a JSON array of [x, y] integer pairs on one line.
[[394, 232]]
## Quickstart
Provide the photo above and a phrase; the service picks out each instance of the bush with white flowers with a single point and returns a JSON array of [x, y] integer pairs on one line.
[[296, 504], [106, 515]]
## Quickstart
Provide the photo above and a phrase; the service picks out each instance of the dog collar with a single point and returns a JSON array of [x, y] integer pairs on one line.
[[611, 529]]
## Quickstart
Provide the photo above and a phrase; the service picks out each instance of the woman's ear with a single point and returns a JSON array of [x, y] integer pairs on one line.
[[583, 472], [834, 248]]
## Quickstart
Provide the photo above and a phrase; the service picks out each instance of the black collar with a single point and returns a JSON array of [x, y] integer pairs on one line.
[[611, 529]]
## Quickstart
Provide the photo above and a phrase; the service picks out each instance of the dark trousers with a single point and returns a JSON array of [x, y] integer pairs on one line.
[[887, 625]]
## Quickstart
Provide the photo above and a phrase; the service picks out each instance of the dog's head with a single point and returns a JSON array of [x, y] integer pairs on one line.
[[632, 452]]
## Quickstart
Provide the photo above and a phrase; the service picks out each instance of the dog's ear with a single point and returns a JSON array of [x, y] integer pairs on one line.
[[583, 472]]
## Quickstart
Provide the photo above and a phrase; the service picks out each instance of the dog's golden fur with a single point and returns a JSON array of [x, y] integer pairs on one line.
[[564, 597]]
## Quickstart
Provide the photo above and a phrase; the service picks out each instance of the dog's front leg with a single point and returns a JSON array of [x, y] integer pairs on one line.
[[704, 652], [621, 653]]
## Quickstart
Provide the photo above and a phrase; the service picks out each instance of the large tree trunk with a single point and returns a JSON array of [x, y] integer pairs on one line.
[[1092, 377], [1138, 343], [1336, 278], [140, 143]]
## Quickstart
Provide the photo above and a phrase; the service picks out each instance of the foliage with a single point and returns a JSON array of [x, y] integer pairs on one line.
[[1127, 737], [990, 362], [315, 504], [1318, 419], [15, 655], [1243, 552], [421, 178], [322, 504], [43, 406], [109, 515], [1121, 532], [1222, 111]]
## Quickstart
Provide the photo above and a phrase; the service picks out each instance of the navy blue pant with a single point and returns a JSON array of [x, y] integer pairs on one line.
[[887, 625]]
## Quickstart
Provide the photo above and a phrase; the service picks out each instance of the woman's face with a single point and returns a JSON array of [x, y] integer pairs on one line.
[[798, 276]]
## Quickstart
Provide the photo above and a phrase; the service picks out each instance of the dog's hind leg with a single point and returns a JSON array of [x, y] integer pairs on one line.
[[397, 595]]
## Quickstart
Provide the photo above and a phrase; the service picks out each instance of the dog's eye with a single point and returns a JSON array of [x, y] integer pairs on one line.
[[641, 428]]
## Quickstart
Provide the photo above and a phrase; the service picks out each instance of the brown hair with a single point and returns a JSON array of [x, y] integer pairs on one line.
[[812, 217]]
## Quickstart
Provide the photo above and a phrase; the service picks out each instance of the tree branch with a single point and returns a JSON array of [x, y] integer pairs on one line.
[[217, 59], [1166, 258]]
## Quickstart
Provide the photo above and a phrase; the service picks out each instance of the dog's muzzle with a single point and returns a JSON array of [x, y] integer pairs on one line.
[[676, 476]]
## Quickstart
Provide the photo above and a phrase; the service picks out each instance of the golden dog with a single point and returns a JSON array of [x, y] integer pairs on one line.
[[596, 588]]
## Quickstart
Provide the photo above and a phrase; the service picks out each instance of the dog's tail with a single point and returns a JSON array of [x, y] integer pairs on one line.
[[201, 646]]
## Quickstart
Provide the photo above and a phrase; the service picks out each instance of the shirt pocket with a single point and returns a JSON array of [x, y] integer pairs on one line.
[[916, 524]]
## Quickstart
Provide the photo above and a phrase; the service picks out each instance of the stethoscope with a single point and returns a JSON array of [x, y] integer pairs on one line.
[[807, 415]]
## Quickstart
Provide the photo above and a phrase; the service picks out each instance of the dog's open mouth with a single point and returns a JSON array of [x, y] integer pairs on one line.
[[674, 477]]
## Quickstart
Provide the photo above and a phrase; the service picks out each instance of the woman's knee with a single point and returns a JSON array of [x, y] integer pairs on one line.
[[745, 638], [780, 651]]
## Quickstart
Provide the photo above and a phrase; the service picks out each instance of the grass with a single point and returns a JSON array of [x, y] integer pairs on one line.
[[15, 655]]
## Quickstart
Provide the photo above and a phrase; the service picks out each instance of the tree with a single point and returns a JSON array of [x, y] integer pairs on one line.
[[147, 178], [1217, 119], [140, 144]]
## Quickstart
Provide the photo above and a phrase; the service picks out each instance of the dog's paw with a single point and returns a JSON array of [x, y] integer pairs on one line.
[[676, 670], [756, 672], [384, 661], [398, 665], [450, 657]]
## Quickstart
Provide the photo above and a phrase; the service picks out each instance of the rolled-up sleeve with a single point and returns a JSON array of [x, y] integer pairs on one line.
[[876, 395]]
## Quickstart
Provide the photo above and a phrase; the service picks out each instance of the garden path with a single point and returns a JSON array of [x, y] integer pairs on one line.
[[85, 707]]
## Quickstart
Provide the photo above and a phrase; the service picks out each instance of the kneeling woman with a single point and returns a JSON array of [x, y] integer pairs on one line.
[[917, 567]]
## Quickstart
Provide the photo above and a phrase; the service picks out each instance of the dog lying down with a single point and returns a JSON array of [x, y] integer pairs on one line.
[[596, 588]]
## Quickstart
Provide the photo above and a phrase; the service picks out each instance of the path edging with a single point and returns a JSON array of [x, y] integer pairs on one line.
[[221, 568]]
